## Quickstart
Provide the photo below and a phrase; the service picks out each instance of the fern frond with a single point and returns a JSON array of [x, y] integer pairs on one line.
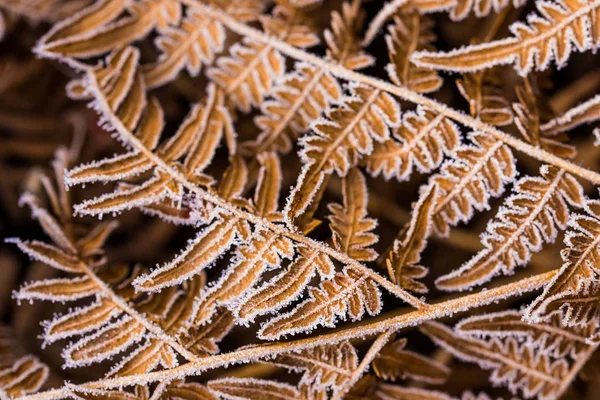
[[551, 338], [517, 367], [402, 263], [460, 9], [190, 45], [299, 98], [586, 112], [562, 27], [326, 366], [339, 141], [529, 119], [349, 293], [26, 375], [253, 389], [531, 216], [420, 142], [411, 32], [574, 292], [475, 173], [486, 100], [349, 223], [394, 362], [249, 73], [95, 30]]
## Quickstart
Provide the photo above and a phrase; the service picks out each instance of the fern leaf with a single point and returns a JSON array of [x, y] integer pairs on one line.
[[74, 39], [25, 376], [562, 26], [516, 367], [204, 339], [284, 287], [574, 292], [421, 142], [411, 32], [394, 392], [298, 98], [106, 342], [467, 181], [80, 320], [485, 97], [460, 9], [531, 216], [528, 120], [263, 250], [208, 245], [325, 366], [586, 112], [253, 389], [60, 289], [348, 293], [49, 255], [402, 263], [343, 43], [349, 223], [86, 20], [549, 338], [394, 362], [341, 140], [191, 390], [190, 45], [248, 74]]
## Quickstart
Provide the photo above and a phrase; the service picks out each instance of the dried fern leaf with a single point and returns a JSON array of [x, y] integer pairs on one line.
[[393, 362], [460, 9], [190, 45], [188, 391], [517, 367], [402, 263], [421, 142], [247, 75], [562, 27], [339, 141], [534, 214], [411, 32], [284, 287], [128, 164], [80, 320], [486, 100], [298, 98], [349, 293], [549, 338], [144, 16], [584, 113], [26, 375], [468, 180], [204, 339], [208, 245], [264, 249], [394, 392], [253, 389], [574, 292], [86, 20], [529, 116], [368, 387], [60, 289], [349, 223], [325, 366], [106, 342], [343, 44], [49, 255]]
